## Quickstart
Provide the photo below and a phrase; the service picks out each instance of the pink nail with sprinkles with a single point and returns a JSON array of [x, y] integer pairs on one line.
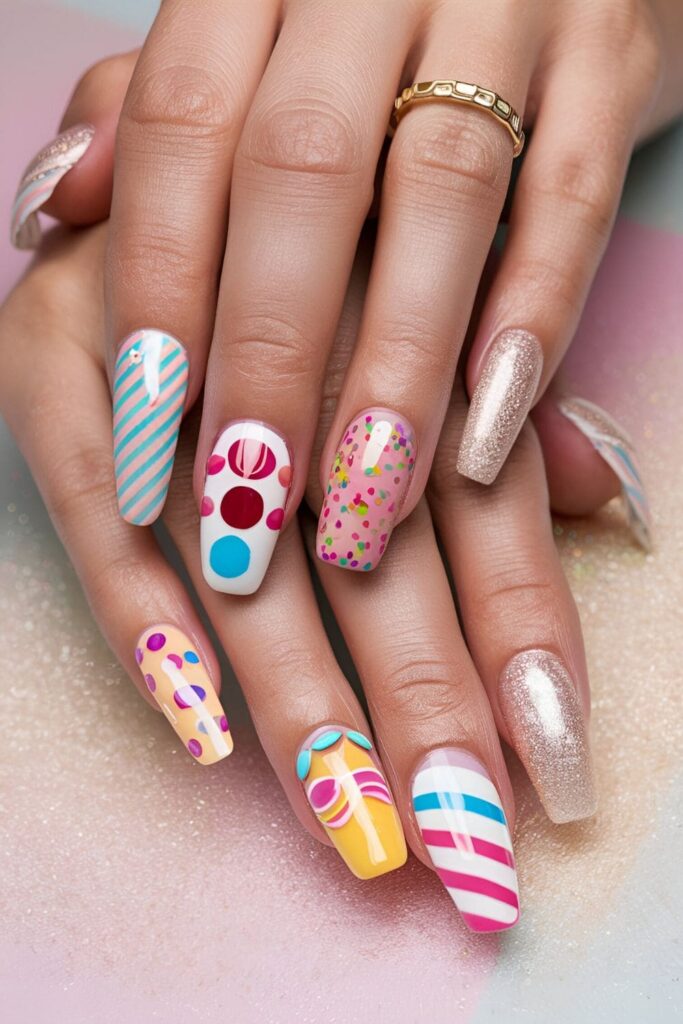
[[176, 676], [248, 476], [366, 488]]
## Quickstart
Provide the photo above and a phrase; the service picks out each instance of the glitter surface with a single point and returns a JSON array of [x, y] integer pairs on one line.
[[500, 403], [542, 710]]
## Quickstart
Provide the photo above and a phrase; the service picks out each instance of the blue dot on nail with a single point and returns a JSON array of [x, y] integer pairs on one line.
[[303, 764], [327, 739], [191, 657], [229, 557], [359, 739]]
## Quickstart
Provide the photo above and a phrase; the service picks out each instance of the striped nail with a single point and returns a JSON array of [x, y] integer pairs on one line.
[[463, 826], [150, 384], [177, 679], [347, 791], [368, 481], [615, 446], [41, 178], [247, 481]]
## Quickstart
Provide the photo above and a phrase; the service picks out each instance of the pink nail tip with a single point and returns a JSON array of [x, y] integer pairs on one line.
[[368, 481]]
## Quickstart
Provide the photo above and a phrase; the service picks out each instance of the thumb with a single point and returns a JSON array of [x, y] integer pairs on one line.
[[71, 178]]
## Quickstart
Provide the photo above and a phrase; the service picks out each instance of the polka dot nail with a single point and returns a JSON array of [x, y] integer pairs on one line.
[[247, 482], [177, 679], [365, 490]]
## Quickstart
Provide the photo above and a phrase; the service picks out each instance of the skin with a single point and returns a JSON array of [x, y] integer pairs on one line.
[[292, 155], [436, 687]]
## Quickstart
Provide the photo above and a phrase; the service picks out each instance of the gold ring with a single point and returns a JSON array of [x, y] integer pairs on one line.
[[460, 92]]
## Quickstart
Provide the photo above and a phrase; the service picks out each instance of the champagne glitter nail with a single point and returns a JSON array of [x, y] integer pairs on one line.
[[543, 712], [500, 404]]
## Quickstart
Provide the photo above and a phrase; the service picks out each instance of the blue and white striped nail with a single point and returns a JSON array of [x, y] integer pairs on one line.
[[616, 448], [150, 386]]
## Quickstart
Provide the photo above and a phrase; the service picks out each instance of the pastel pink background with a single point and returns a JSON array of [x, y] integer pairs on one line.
[[137, 887]]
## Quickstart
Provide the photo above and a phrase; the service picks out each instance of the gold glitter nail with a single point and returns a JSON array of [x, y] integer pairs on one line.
[[500, 404]]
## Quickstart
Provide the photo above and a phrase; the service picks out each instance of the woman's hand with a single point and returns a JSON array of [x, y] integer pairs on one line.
[[280, 112], [436, 690]]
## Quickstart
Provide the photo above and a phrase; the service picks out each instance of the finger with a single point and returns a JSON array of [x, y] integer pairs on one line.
[[519, 617], [71, 178], [179, 126], [443, 190], [433, 723], [302, 185], [564, 206], [60, 419], [307, 717]]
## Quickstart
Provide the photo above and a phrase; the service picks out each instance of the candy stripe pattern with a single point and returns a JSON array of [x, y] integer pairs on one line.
[[347, 791], [150, 386], [617, 449], [243, 507], [177, 679], [41, 178], [366, 487], [463, 826]]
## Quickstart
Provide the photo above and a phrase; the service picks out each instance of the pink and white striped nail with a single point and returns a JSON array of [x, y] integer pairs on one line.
[[463, 826]]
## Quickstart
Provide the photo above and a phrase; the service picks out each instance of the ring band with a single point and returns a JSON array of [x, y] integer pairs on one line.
[[460, 92]]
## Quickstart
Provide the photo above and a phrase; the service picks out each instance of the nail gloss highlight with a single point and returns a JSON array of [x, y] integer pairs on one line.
[[150, 386], [177, 679], [500, 404], [462, 823], [615, 446], [41, 178], [542, 710], [248, 476], [368, 481], [347, 791]]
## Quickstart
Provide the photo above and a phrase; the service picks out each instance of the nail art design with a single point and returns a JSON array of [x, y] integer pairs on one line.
[[616, 448], [500, 404], [463, 826], [150, 385], [542, 710], [41, 178], [349, 795], [248, 475], [180, 684], [367, 484]]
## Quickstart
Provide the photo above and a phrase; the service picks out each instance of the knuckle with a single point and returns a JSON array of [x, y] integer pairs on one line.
[[265, 341], [515, 588], [118, 572], [417, 338], [84, 485], [181, 98], [627, 31], [457, 156], [312, 137], [417, 687], [582, 185], [156, 253]]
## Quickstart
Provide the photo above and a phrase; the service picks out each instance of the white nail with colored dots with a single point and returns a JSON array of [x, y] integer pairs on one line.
[[248, 475]]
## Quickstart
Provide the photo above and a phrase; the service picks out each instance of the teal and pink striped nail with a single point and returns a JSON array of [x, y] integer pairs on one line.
[[150, 385]]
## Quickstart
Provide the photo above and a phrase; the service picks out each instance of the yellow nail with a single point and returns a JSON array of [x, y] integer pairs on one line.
[[347, 790], [178, 681]]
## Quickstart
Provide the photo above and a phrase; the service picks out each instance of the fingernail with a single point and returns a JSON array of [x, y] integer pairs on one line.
[[150, 385], [178, 681], [500, 404], [248, 475], [463, 826], [346, 788], [542, 710], [366, 487], [41, 178], [616, 448]]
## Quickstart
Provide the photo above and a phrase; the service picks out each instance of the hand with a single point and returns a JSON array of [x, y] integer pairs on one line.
[[436, 692], [227, 100]]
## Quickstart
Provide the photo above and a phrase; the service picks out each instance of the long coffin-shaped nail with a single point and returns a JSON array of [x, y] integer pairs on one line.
[[616, 448], [178, 681], [150, 386], [542, 710], [463, 826], [349, 795], [41, 178], [366, 487], [248, 475], [500, 404]]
